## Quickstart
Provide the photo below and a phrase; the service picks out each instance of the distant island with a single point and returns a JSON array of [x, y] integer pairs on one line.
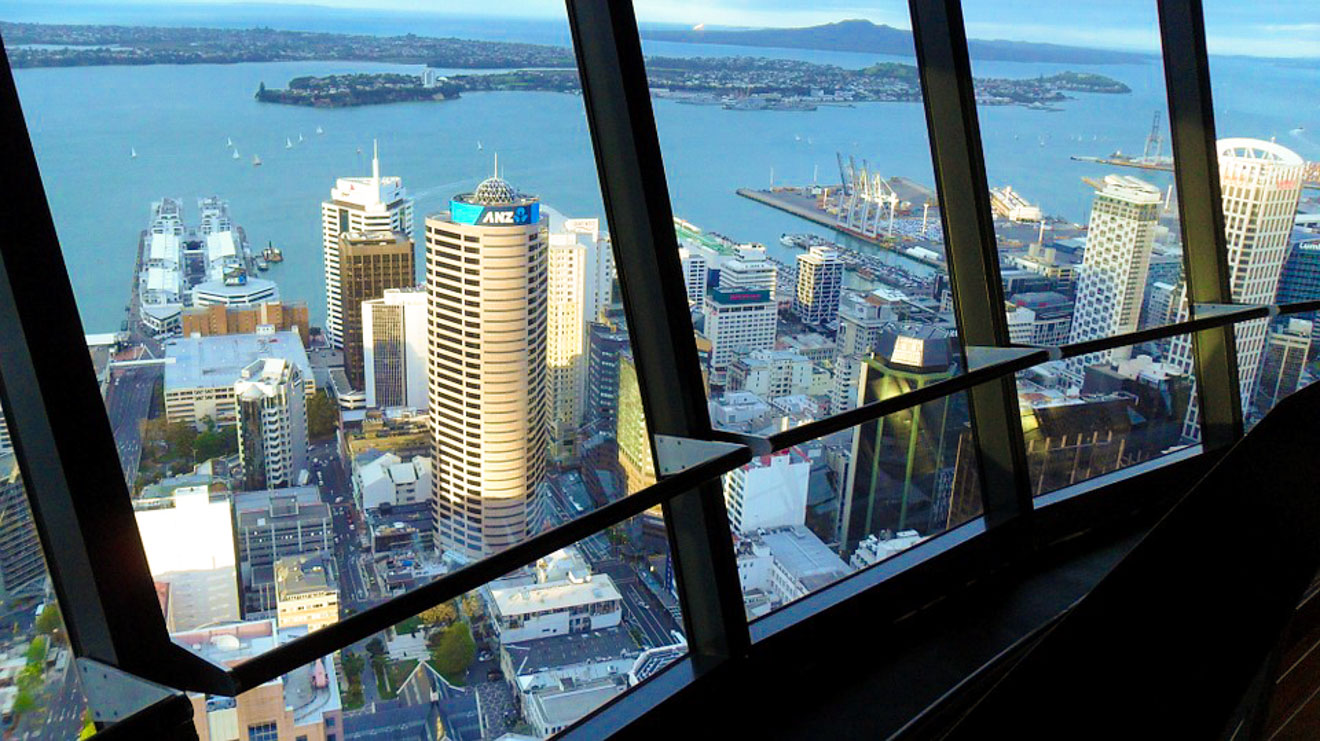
[[736, 83], [48, 45], [865, 36]]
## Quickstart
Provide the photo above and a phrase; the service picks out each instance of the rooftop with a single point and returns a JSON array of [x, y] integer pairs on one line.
[[218, 360], [554, 596], [805, 556], [530, 657]]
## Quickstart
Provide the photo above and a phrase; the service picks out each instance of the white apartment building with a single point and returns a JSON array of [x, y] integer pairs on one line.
[[770, 492], [394, 349], [819, 285], [772, 373], [1111, 280], [486, 267], [188, 538], [272, 423], [388, 479], [579, 602], [358, 204], [1260, 183], [200, 372], [695, 271]]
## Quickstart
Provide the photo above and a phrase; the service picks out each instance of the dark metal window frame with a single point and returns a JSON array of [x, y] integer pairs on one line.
[[83, 510]]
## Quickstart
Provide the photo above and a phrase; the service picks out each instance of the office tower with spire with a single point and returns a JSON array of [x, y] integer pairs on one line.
[[361, 204], [1260, 183], [370, 263], [819, 286], [1111, 281], [486, 266], [394, 349], [272, 423]]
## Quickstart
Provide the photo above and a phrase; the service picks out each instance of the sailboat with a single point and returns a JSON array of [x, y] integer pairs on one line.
[[288, 143], [229, 142], [320, 130], [256, 161], [234, 155], [300, 138], [132, 153], [479, 147]]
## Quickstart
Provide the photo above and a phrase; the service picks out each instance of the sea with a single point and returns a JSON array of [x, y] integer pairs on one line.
[[86, 121]]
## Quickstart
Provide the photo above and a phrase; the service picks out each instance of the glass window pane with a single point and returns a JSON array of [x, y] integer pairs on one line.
[[41, 696], [814, 264], [1260, 57], [1076, 142], [529, 653], [353, 309]]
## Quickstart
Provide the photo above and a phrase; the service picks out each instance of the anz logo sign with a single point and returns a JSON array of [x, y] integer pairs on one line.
[[470, 213], [510, 217]]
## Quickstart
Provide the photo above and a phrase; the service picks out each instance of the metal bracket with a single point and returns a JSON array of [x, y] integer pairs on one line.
[[114, 694], [675, 454], [981, 356]]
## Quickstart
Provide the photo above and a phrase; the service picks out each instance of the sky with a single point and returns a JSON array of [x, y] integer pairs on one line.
[[1253, 27]]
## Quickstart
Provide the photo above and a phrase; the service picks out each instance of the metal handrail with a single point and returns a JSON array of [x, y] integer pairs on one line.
[[302, 651]]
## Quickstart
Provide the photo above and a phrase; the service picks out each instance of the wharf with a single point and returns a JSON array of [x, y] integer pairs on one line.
[[795, 201]]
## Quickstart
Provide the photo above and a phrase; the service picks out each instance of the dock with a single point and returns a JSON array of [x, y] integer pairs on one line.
[[795, 201]]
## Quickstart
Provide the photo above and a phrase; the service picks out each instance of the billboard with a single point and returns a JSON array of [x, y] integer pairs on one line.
[[478, 215], [741, 297]]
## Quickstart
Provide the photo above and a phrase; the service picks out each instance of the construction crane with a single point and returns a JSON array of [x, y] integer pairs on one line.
[[1154, 142]]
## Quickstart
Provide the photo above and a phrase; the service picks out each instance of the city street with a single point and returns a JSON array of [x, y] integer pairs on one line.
[[128, 401], [640, 608]]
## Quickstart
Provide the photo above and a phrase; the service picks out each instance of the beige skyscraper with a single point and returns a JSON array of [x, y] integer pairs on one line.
[[486, 266], [1112, 279], [370, 204], [565, 335], [1260, 183]]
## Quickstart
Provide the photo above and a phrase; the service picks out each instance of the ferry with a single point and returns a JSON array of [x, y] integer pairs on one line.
[[805, 241]]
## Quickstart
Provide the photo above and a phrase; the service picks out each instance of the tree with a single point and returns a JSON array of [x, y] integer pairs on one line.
[[36, 651], [180, 440], [453, 653], [353, 665], [471, 606], [24, 703], [216, 443], [442, 614], [375, 646], [49, 620], [322, 416]]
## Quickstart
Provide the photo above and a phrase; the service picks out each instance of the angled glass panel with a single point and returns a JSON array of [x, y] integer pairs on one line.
[[352, 309], [41, 696], [1074, 122], [1263, 57]]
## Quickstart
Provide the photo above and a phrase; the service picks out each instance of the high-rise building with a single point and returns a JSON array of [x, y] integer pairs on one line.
[[1260, 183], [819, 285], [902, 463], [741, 314], [272, 423], [566, 325], [370, 263], [607, 338], [188, 538], [1300, 279], [21, 564], [695, 271], [1286, 348], [200, 372], [394, 349], [635, 454], [361, 204], [486, 286], [861, 320], [1111, 281]]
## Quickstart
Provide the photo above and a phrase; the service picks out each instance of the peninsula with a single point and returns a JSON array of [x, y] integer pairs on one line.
[[736, 83]]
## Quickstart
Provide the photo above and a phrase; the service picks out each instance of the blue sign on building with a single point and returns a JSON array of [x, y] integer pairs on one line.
[[475, 214]]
